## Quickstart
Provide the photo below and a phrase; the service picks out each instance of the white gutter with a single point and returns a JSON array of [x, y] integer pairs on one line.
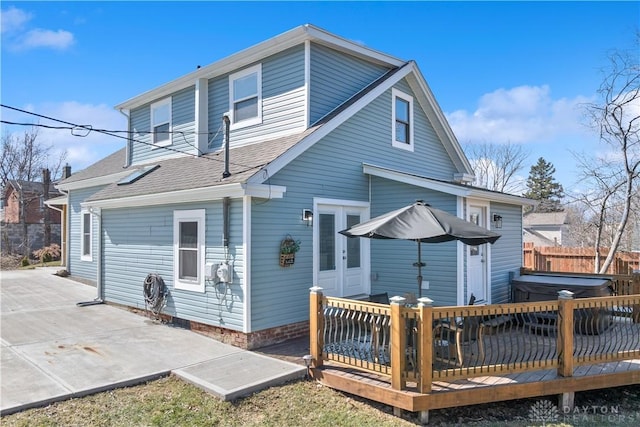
[[93, 182], [193, 195]]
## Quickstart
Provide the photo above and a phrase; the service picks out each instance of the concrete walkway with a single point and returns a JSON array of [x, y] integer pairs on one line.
[[53, 349]]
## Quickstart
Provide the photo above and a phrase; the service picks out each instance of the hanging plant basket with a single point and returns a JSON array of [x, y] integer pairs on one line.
[[288, 249]]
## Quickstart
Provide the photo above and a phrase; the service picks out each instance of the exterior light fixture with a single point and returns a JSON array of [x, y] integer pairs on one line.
[[307, 215], [497, 221], [307, 361]]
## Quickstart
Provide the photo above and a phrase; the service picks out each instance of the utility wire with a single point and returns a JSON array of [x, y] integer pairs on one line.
[[89, 128]]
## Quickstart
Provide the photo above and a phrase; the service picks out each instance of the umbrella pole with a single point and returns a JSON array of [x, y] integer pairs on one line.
[[419, 264]]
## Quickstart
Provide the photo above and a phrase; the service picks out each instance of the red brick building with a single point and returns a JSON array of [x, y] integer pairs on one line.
[[33, 196]]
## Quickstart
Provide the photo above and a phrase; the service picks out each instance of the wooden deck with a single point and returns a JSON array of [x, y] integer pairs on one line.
[[397, 354]]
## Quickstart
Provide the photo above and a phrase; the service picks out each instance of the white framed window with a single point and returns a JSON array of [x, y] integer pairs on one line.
[[86, 242], [402, 120], [161, 122], [189, 249], [245, 97]]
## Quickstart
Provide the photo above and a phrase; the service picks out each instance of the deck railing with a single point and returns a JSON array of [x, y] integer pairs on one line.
[[423, 343]]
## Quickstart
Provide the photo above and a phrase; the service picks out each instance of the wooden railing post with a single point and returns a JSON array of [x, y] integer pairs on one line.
[[316, 326], [635, 289], [398, 344], [565, 333], [565, 345], [425, 344]]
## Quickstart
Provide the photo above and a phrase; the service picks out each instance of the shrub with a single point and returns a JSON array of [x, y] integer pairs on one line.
[[48, 253], [25, 262]]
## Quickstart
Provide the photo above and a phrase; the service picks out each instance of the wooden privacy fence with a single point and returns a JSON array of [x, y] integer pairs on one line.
[[576, 260], [423, 343]]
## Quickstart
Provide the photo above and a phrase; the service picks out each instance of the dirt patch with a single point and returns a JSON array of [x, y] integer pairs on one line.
[[9, 262]]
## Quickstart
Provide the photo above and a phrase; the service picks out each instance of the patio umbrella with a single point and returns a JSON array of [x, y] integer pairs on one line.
[[423, 224]]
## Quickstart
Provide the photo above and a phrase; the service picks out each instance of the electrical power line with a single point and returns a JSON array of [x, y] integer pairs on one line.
[[114, 133]]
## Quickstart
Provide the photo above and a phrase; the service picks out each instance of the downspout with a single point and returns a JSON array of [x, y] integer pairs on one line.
[[226, 173], [225, 223], [99, 288]]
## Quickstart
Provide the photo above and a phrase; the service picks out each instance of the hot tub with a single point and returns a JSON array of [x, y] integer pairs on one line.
[[531, 288]]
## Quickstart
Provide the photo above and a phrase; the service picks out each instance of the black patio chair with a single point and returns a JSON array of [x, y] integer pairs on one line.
[[465, 332]]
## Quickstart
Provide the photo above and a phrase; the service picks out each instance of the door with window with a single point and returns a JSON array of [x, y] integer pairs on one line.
[[477, 260], [340, 263]]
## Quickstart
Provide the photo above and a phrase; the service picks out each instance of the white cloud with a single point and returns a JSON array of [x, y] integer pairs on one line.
[[519, 115], [17, 38], [82, 151], [37, 38], [13, 19]]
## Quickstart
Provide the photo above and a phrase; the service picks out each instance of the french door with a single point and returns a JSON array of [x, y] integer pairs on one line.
[[341, 264]]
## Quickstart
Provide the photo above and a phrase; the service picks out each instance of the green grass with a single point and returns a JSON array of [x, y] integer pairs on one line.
[[172, 402]]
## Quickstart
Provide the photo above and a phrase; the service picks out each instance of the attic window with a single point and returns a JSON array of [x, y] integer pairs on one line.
[[245, 97], [161, 122], [402, 120], [136, 175]]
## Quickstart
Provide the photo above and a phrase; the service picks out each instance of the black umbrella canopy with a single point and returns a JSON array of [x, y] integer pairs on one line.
[[424, 223]]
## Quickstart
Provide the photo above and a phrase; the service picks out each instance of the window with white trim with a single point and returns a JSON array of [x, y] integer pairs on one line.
[[86, 241], [245, 97], [161, 122], [189, 248], [402, 120]]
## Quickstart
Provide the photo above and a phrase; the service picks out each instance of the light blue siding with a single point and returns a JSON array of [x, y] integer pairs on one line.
[[506, 252], [392, 260], [332, 168], [139, 241], [283, 100], [336, 77], [77, 267], [183, 128]]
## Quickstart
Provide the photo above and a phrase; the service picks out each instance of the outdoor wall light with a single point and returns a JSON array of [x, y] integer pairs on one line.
[[497, 221], [307, 361], [307, 215]]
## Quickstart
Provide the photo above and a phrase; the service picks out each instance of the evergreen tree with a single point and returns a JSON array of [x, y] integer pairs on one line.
[[543, 187]]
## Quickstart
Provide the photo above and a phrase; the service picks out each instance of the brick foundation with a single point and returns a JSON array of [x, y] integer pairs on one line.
[[250, 341]]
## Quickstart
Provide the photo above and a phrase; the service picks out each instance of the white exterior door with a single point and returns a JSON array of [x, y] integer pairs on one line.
[[477, 260], [341, 264]]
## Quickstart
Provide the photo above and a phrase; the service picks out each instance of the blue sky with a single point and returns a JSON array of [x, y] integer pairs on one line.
[[514, 72]]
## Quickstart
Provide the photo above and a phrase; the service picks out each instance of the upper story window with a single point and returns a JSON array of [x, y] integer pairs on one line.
[[402, 116], [161, 122], [245, 97]]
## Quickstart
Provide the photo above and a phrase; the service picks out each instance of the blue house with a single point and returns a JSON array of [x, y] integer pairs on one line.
[[293, 139]]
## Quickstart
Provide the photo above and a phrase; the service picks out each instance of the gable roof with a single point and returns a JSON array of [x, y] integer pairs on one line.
[[259, 51], [31, 187]]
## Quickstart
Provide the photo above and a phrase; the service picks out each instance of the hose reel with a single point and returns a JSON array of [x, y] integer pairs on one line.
[[155, 293]]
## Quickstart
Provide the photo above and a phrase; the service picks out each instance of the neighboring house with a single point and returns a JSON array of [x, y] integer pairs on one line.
[[545, 228], [30, 196], [323, 133]]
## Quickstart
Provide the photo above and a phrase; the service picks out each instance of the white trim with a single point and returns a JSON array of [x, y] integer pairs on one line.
[[83, 256], [246, 267], [60, 200], [192, 195], [299, 148], [365, 261], [257, 70], [93, 182], [307, 83], [439, 122], [202, 115], [460, 257], [485, 206], [152, 124], [256, 53], [395, 93], [197, 215], [444, 187]]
